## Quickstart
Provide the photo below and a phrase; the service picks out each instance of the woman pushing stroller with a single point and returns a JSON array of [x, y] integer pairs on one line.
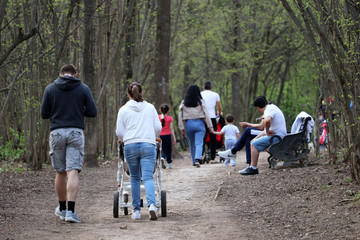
[[137, 127]]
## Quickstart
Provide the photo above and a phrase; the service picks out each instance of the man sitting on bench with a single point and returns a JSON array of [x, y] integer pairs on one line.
[[251, 131], [274, 124]]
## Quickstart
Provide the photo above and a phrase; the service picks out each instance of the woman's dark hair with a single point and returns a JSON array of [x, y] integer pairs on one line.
[[135, 91], [164, 109], [193, 96]]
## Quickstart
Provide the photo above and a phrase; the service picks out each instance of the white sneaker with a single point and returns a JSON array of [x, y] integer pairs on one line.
[[153, 212], [72, 217], [227, 154], [169, 166], [60, 214], [136, 215]]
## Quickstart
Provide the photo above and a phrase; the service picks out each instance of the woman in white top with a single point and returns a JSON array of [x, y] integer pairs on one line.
[[137, 127]]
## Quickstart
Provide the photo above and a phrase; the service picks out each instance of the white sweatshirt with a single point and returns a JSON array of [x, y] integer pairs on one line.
[[137, 122]]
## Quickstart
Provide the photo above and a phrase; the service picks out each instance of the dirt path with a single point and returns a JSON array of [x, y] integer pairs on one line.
[[192, 212], [297, 203]]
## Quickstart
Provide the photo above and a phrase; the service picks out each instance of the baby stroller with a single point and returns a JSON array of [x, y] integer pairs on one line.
[[220, 123], [121, 196]]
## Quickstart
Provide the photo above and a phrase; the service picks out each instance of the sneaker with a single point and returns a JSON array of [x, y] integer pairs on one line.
[[227, 154], [72, 217], [60, 214], [136, 215], [153, 212], [197, 164], [249, 171], [163, 163], [169, 166]]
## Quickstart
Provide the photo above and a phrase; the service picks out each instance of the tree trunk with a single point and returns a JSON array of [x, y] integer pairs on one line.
[[160, 82], [88, 73], [235, 77]]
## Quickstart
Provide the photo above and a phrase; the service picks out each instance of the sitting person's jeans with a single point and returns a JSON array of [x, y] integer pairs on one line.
[[263, 142], [249, 134]]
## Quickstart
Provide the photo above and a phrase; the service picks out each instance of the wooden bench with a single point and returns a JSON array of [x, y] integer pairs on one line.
[[293, 148]]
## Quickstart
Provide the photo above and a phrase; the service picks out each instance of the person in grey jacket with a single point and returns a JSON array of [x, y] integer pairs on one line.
[[192, 114], [66, 102]]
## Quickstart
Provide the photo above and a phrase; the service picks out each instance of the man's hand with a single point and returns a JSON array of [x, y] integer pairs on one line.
[[244, 124], [270, 133]]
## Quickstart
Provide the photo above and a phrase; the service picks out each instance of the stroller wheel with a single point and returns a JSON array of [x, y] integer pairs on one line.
[[116, 205], [163, 203]]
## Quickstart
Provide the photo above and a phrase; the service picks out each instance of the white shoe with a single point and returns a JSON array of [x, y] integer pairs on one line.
[[136, 215], [227, 154], [153, 212], [72, 217], [60, 214]]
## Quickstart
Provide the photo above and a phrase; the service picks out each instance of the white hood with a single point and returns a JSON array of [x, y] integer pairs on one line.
[[137, 122], [136, 106]]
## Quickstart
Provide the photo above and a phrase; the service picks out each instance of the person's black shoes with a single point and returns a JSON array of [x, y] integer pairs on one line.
[[249, 171]]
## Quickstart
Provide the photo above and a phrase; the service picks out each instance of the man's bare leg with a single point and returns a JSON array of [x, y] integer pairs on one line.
[[60, 185]]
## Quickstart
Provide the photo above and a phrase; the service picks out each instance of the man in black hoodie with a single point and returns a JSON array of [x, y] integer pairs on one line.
[[66, 102]]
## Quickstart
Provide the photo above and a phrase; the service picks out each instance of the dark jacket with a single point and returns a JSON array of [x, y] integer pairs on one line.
[[66, 101]]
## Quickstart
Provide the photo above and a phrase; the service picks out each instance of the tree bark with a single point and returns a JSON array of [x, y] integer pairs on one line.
[[160, 82], [235, 76], [88, 73]]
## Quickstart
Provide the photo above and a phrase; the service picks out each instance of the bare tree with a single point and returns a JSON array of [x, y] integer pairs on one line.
[[160, 82], [88, 73]]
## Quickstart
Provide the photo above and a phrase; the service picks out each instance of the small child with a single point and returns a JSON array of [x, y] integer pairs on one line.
[[231, 134], [167, 135]]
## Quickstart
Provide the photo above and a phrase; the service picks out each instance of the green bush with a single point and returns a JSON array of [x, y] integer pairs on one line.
[[13, 149]]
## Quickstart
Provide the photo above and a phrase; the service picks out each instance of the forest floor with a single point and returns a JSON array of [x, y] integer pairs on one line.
[[211, 202]]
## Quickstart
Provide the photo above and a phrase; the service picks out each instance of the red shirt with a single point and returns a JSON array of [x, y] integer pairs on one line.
[[166, 128]]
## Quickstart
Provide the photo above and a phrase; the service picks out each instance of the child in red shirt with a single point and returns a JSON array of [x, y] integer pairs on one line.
[[167, 135]]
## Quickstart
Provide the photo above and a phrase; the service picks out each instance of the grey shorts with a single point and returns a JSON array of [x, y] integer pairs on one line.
[[67, 149]]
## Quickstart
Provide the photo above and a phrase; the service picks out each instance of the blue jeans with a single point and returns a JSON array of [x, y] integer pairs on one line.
[[229, 144], [195, 130], [263, 142], [141, 156], [249, 134]]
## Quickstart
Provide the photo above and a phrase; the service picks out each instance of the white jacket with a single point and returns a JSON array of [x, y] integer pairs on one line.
[[299, 121], [137, 122]]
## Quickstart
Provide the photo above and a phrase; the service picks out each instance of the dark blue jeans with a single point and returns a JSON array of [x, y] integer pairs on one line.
[[249, 134], [166, 147]]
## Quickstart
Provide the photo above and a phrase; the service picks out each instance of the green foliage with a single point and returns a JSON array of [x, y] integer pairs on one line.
[[13, 149]]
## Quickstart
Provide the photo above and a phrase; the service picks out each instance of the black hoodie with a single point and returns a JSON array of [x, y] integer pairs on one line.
[[66, 101]]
